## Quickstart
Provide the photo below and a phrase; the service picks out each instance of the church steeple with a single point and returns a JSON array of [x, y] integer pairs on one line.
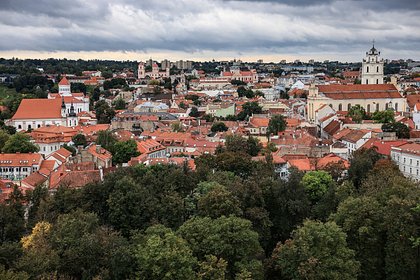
[[372, 67], [72, 113], [63, 108]]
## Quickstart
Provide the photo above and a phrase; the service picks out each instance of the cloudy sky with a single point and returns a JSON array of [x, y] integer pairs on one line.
[[207, 29]]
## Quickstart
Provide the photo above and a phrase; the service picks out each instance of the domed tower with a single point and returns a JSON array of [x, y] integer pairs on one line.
[[372, 68]]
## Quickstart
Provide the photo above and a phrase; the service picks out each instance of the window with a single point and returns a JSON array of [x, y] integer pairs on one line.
[[377, 69], [411, 161], [411, 170], [377, 107], [404, 160], [19, 126], [396, 107], [367, 81], [348, 107], [368, 108], [377, 81], [340, 107], [367, 69]]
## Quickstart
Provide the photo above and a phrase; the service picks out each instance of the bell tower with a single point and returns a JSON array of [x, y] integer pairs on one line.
[[372, 67]]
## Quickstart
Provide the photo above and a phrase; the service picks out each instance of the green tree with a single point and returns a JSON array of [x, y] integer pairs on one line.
[[248, 109], [123, 151], [276, 124], [12, 275], [316, 251], [194, 112], [4, 136], [361, 162], [162, 255], [19, 143], [217, 202], [219, 127], [104, 113], [119, 104], [400, 129], [316, 184], [230, 238], [386, 116], [79, 140], [106, 139], [212, 268], [357, 113]]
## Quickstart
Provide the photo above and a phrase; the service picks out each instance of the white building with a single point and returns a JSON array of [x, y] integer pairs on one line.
[[372, 68], [154, 74], [407, 157], [18, 166]]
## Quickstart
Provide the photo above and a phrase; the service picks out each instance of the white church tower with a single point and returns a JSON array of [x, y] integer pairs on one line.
[[372, 68]]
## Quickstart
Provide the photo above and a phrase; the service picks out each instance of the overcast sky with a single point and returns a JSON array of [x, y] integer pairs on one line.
[[207, 29]]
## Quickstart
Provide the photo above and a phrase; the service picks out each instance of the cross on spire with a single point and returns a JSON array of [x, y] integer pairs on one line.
[[373, 42]]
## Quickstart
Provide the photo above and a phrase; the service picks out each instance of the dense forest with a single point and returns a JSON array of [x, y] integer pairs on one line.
[[230, 218]]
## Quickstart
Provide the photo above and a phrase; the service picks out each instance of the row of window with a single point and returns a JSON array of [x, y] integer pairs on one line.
[[367, 69], [368, 107], [14, 169]]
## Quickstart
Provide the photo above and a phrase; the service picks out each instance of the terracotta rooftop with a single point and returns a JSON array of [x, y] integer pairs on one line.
[[20, 159], [38, 109], [359, 91]]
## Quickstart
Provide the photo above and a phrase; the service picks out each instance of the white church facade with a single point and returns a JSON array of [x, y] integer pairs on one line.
[[59, 109], [373, 95]]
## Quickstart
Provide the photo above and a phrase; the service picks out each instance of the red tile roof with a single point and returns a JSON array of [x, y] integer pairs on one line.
[[38, 109], [331, 158], [359, 91], [20, 159], [383, 147], [64, 82], [149, 146]]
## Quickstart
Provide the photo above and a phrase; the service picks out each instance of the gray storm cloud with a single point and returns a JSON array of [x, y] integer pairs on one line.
[[308, 26]]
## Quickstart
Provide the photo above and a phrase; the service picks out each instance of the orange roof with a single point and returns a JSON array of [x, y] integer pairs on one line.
[[47, 166], [20, 159], [38, 109], [149, 146], [359, 91], [410, 148], [101, 154], [303, 164], [331, 158], [33, 180], [64, 82], [259, 121], [383, 147]]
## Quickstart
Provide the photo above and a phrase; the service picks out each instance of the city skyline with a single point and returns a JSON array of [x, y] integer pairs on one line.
[[209, 29]]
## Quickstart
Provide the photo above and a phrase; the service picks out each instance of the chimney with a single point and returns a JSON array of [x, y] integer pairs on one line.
[[98, 149]]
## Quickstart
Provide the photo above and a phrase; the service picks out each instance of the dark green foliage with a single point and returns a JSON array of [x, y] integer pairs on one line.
[[361, 162], [276, 124], [78, 87], [106, 139], [19, 143], [119, 104], [104, 113], [357, 113], [123, 151], [194, 112], [248, 109], [219, 127], [316, 251], [400, 129], [79, 140], [115, 83], [229, 238]]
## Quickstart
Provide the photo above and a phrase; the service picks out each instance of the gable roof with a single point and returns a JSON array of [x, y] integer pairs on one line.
[[359, 91], [38, 109]]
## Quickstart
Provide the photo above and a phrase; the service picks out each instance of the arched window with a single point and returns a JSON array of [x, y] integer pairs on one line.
[[367, 81], [377, 69], [29, 126], [377, 107], [377, 81], [340, 107], [367, 69], [396, 107], [348, 107], [368, 108]]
